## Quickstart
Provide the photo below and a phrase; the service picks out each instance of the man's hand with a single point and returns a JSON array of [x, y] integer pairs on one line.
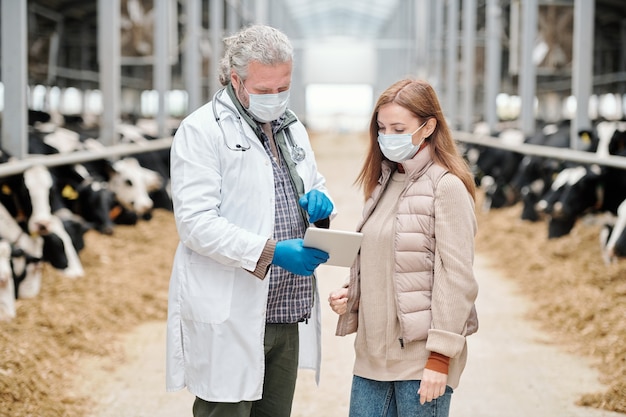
[[292, 256], [317, 205]]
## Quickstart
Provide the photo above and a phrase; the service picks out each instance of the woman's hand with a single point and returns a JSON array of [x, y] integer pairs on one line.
[[338, 300], [432, 386]]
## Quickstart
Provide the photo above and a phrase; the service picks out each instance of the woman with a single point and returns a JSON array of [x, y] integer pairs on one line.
[[410, 298]]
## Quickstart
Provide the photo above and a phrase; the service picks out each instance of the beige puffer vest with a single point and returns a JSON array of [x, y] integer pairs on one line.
[[415, 251]]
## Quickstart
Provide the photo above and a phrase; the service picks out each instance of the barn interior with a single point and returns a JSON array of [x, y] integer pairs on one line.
[[500, 65]]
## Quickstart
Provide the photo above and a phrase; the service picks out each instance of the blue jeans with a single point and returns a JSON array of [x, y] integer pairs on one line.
[[371, 398]]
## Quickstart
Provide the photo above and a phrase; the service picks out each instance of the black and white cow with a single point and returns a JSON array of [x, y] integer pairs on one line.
[[158, 161], [102, 191], [31, 200], [613, 237], [494, 168], [25, 263], [508, 177], [586, 189], [536, 173], [7, 286]]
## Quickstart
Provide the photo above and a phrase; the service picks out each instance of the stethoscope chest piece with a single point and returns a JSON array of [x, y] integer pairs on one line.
[[297, 154]]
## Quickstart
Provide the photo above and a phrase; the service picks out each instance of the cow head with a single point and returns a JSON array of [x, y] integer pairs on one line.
[[88, 196], [132, 184], [613, 237], [582, 193], [573, 191], [38, 182]]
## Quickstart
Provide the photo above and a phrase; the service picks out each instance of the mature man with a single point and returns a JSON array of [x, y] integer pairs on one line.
[[245, 187]]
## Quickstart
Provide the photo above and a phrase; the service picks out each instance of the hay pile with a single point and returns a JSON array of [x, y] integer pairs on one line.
[[125, 283], [575, 296]]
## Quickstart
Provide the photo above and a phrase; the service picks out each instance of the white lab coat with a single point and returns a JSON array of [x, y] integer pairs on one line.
[[224, 211]]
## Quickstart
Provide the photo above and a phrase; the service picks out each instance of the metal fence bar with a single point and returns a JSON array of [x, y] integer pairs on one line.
[[545, 151], [18, 166]]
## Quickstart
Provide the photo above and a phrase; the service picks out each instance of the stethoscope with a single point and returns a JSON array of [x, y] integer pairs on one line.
[[298, 154]]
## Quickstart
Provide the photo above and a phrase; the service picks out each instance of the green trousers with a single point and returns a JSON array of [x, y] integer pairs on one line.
[[281, 369]]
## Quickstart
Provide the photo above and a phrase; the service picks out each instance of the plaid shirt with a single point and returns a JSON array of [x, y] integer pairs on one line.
[[290, 296]]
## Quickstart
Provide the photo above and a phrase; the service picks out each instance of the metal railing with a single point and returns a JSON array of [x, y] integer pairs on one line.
[[18, 166], [544, 151]]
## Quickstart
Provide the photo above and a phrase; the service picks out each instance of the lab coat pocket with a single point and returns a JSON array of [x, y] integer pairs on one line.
[[207, 295]]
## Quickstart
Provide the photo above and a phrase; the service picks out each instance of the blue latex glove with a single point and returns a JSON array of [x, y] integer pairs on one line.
[[292, 256], [317, 205]]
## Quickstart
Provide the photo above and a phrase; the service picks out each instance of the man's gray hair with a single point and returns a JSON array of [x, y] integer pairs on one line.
[[260, 43]]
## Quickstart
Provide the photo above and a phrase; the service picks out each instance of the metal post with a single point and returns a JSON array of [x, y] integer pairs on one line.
[[216, 23], [469, 62], [261, 11], [161, 65], [452, 44], [527, 74], [14, 77], [422, 31], [192, 62], [582, 65], [494, 61], [232, 16], [437, 69], [109, 63]]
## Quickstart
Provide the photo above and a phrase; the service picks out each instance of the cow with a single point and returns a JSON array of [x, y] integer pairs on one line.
[[130, 183], [31, 200], [158, 160], [535, 173], [508, 177], [102, 191], [69, 133], [83, 194], [25, 263], [592, 189], [7, 286], [494, 168], [613, 237]]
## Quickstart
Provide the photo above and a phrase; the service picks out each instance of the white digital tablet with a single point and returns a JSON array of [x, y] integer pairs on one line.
[[341, 245]]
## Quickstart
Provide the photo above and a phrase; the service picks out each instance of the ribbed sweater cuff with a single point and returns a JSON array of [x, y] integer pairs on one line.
[[265, 260], [438, 363]]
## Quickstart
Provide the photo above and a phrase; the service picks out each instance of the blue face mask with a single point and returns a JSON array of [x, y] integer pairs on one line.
[[399, 147]]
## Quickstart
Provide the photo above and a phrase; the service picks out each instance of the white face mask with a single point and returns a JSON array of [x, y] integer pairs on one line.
[[267, 107], [399, 147]]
